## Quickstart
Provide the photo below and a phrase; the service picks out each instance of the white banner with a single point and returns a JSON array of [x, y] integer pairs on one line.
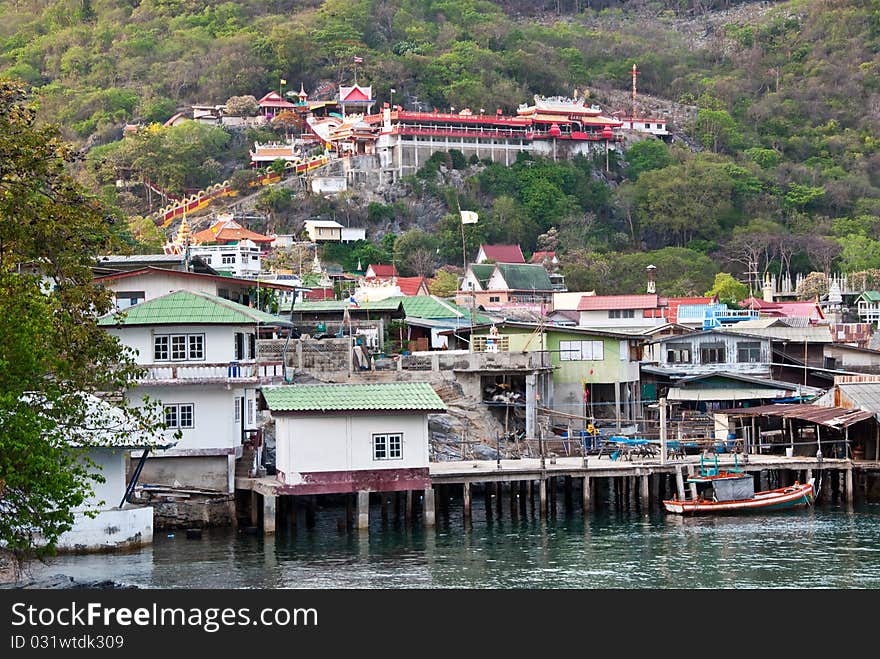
[[468, 217]]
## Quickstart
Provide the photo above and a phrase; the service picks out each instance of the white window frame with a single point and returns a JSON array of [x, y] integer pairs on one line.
[[178, 409], [581, 351], [237, 414], [387, 446], [250, 411], [172, 355]]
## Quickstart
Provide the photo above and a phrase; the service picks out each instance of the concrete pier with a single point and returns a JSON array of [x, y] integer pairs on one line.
[[430, 513], [268, 514], [363, 510], [626, 485]]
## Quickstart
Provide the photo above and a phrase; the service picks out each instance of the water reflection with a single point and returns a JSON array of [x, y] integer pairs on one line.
[[826, 547]]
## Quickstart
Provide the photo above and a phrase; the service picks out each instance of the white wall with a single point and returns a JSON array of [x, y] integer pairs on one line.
[[111, 465], [214, 414], [345, 443], [219, 340], [157, 284], [599, 318], [111, 529]]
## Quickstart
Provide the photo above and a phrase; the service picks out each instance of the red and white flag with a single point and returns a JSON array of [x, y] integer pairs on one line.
[[358, 60]]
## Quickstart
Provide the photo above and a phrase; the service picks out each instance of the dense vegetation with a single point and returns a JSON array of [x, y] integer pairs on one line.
[[779, 168]]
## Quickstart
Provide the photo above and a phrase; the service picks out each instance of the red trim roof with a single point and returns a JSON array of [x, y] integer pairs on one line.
[[673, 303], [785, 309], [503, 253], [191, 275], [602, 302], [274, 100]]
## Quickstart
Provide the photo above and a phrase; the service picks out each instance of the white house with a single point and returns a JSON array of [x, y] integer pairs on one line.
[[136, 286], [199, 355], [323, 230], [112, 522], [339, 438], [621, 312]]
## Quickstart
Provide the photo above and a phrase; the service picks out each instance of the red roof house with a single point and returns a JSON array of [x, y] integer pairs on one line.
[[500, 254], [380, 271], [410, 286], [548, 258], [272, 103]]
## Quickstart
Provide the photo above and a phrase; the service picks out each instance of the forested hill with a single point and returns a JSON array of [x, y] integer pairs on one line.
[[787, 95]]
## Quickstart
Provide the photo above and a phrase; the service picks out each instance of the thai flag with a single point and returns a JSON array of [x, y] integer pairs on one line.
[[358, 60]]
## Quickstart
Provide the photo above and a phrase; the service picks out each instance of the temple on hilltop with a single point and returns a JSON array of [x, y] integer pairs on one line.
[[401, 141]]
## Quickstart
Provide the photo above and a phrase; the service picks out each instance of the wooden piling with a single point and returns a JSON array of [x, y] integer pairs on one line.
[[849, 487], [499, 493], [512, 497], [644, 493], [542, 496], [408, 510], [466, 500], [552, 485], [586, 499]]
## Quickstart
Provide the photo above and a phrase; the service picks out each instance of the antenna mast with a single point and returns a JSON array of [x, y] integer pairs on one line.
[[635, 74]]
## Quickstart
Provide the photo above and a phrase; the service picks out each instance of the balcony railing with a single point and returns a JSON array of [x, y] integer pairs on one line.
[[223, 372]]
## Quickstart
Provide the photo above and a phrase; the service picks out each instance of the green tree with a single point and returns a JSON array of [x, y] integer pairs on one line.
[[444, 283], [415, 253], [717, 130], [646, 155], [859, 253], [52, 351], [729, 290]]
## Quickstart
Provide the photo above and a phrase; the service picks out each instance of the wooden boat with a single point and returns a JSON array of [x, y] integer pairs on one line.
[[781, 498], [721, 491]]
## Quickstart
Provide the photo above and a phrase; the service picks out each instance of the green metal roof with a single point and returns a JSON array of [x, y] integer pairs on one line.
[[482, 271], [525, 277], [870, 296], [427, 306], [345, 397], [189, 308], [388, 304]]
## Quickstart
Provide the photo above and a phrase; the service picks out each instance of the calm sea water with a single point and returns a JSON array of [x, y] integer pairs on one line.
[[822, 547]]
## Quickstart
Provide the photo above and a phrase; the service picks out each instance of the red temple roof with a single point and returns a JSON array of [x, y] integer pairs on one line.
[[228, 231]]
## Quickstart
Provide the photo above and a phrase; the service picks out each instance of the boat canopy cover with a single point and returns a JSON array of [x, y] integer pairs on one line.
[[734, 489]]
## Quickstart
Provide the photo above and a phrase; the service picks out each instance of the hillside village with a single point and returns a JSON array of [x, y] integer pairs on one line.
[[298, 356]]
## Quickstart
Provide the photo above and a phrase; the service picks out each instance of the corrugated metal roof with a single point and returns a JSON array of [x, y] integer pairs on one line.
[[525, 277], [602, 302], [503, 253], [810, 334], [388, 304], [862, 394], [427, 306], [738, 393], [832, 417], [350, 397], [189, 308]]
